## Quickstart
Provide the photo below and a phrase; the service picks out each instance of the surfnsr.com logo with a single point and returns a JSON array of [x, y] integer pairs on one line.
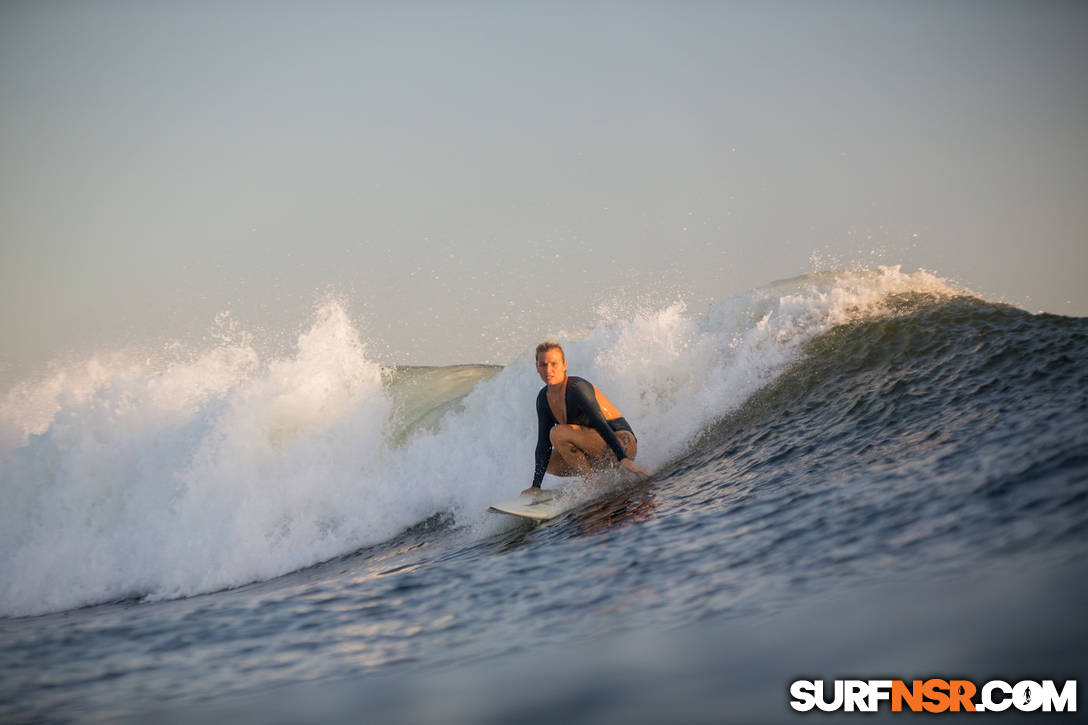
[[933, 695]]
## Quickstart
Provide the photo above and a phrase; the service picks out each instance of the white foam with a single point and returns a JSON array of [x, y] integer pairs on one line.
[[123, 477]]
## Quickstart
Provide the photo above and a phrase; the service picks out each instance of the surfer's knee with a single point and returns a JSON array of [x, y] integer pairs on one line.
[[560, 434]]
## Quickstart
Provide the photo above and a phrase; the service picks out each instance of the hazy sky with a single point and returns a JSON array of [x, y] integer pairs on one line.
[[470, 176]]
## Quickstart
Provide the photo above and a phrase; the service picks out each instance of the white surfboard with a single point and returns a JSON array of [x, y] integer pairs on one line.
[[542, 505]]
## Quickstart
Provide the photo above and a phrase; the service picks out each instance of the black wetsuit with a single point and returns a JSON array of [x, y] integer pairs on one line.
[[582, 409]]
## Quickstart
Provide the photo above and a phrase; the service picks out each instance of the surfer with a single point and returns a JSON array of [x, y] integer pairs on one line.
[[579, 429]]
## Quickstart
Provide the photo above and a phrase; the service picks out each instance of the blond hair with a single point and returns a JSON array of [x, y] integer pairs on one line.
[[550, 345]]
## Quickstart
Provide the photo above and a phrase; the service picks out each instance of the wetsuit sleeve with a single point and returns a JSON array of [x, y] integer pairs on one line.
[[586, 397], [545, 420]]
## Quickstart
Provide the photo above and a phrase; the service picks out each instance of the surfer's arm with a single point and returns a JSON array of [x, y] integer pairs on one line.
[[587, 397], [545, 421]]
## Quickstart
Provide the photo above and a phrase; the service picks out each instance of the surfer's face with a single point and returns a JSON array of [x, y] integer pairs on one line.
[[551, 366]]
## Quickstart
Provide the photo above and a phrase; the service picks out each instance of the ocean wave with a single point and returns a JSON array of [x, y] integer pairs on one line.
[[127, 478]]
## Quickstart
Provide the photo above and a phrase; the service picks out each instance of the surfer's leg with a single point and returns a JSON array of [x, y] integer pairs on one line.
[[557, 466], [580, 447], [630, 444]]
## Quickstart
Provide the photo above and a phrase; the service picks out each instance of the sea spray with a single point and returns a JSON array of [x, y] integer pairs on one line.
[[143, 481], [202, 476]]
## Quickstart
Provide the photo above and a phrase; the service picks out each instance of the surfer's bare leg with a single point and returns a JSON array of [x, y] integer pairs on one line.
[[581, 448], [577, 450], [557, 466]]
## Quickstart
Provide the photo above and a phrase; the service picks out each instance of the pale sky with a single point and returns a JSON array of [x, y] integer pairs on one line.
[[472, 176]]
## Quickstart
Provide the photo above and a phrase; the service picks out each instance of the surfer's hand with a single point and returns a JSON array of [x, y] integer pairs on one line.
[[634, 467]]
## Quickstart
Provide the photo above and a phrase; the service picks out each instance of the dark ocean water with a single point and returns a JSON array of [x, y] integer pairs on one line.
[[908, 496]]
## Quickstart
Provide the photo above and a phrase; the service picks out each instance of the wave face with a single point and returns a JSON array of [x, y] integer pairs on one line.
[[127, 477], [943, 434]]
